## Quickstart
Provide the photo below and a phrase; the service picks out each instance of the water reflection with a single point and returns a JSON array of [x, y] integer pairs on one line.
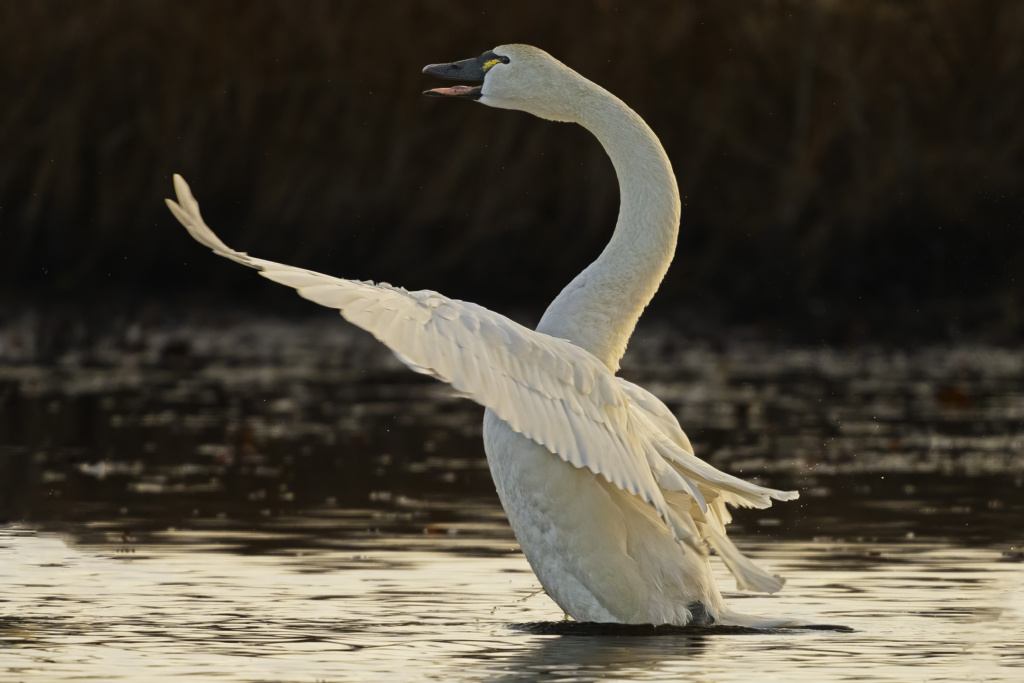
[[283, 502], [571, 657], [454, 608]]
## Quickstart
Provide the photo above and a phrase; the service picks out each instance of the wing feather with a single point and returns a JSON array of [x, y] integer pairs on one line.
[[548, 389]]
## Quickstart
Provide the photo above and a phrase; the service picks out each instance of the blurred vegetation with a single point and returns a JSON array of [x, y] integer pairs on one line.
[[846, 165]]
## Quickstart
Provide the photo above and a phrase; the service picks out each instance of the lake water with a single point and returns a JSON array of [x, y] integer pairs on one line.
[[280, 501]]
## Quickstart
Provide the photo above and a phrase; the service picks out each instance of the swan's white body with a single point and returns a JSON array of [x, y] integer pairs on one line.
[[600, 484]]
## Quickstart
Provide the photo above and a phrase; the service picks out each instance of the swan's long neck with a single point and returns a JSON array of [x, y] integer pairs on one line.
[[600, 307]]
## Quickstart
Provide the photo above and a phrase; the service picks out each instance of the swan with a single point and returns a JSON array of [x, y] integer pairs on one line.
[[611, 507]]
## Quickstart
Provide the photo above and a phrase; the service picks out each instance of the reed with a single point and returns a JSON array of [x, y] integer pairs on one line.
[[826, 150]]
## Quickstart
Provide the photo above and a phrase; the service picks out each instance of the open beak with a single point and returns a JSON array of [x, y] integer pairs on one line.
[[471, 70]]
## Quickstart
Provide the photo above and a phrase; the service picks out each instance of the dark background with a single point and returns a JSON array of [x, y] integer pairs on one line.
[[850, 170]]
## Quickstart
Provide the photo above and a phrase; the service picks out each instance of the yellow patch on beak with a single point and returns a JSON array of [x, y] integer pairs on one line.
[[489, 64]]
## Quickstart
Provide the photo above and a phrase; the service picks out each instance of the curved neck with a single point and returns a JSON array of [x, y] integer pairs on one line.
[[600, 307]]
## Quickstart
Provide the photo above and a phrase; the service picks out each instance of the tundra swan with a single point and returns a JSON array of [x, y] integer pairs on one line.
[[610, 506]]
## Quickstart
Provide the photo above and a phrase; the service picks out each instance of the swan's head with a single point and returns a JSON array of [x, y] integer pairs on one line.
[[514, 77]]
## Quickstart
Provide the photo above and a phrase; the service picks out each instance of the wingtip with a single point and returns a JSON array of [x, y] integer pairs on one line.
[[186, 210], [181, 187]]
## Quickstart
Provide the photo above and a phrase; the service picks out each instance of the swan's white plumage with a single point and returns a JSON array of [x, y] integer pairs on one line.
[[628, 545], [547, 389]]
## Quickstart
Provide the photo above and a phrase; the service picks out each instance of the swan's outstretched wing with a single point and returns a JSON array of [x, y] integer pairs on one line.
[[718, 489], [674, 446], [548, 389]]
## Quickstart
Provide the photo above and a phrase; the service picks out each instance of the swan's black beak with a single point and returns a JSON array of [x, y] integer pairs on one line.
[[471, 70]]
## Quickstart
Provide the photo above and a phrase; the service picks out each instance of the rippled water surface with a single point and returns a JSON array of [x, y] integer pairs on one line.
[[282, 502]]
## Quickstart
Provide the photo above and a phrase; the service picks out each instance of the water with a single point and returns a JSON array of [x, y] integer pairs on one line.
[[453, 608], [282, 502]]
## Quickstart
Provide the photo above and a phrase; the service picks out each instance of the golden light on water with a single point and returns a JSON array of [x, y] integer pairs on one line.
[[286, 516], [454, 606]]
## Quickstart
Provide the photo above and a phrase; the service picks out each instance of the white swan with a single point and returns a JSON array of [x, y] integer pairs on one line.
[[610, 506]]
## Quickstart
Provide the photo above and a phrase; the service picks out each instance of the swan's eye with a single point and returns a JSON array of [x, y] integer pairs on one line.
[[496, 59]]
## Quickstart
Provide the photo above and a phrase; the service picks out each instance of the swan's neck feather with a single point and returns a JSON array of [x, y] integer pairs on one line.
[[600, 307]]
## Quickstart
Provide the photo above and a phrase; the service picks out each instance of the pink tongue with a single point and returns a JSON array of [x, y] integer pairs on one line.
[[455, 90]]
